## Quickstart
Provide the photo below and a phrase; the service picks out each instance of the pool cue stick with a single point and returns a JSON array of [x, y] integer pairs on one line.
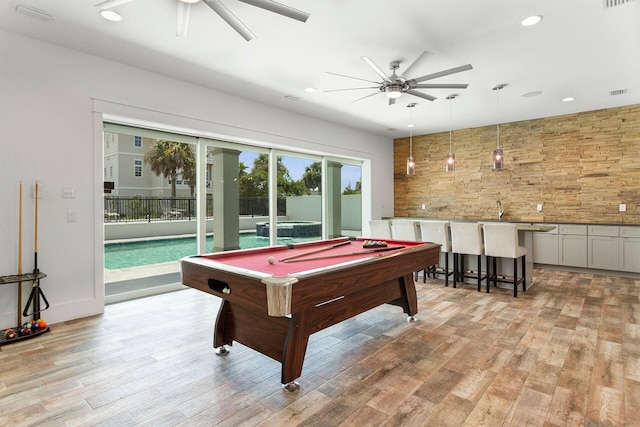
[[314, 251], [36, 301], [367, 251], [20, 255]]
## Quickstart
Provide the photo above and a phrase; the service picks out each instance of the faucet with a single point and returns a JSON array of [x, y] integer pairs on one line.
[[500, 210]]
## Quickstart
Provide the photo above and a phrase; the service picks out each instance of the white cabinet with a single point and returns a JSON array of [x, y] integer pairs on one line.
[[630, 249], [603, 247], [545, 247], [573, 245]]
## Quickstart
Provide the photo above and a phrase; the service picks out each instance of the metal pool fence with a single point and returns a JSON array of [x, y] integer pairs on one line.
[[136, 208]]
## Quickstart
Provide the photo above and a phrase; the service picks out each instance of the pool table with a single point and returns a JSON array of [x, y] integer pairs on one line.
[[274, 298]]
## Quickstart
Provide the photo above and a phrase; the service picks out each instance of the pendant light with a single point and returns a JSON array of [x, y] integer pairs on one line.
[[450, 161], [411, 163], [498, 156]]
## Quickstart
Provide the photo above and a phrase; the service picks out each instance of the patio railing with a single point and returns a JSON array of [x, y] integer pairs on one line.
[[136, 209]]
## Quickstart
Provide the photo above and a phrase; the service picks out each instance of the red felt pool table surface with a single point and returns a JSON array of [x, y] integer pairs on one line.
[[286, 261]]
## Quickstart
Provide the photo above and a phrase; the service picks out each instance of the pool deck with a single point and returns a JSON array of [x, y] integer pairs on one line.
[[136, 282], [131, 273]]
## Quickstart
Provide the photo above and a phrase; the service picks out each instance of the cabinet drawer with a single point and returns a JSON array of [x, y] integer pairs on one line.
[[554, 231], [629, 231], [603, 230], [580, 230]]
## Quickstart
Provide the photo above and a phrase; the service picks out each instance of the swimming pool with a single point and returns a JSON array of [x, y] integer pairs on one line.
[[139, 253]]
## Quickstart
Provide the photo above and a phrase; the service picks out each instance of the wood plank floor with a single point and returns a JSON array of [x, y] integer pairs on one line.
[[565, 353]]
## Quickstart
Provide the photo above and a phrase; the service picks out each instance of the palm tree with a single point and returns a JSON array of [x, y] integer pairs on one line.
[[167, 158]]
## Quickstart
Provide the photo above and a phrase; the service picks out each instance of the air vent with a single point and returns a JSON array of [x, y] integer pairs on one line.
[[617, 92], [292, 97], [612, 3], [32, 12]]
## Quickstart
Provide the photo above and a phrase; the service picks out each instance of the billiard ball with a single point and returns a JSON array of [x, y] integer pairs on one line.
[[271, 260], [9, 334]]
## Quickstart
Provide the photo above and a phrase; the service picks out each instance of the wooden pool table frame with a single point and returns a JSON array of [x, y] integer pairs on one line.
[[304, 303]]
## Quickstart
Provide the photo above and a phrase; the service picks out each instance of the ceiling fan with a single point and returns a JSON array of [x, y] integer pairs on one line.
[[395, 85], [184, 9]]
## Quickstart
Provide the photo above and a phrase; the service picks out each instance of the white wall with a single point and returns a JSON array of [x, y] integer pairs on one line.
[[52, 101]]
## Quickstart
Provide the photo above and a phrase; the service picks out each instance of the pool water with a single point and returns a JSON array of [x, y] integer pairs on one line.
[[139, 253]]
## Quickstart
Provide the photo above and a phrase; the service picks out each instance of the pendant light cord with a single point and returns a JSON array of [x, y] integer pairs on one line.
[[450, 122], [410, 126], [498, 113]]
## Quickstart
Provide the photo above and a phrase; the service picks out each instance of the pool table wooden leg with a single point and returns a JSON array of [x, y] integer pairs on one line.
[[295, 347], [220, 339], [409, 300]]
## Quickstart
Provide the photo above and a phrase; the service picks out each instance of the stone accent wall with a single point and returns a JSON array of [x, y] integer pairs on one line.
[[579, 166]]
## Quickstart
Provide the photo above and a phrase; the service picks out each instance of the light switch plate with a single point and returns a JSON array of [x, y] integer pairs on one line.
[[539, 207], [68, 193], [622, 207]]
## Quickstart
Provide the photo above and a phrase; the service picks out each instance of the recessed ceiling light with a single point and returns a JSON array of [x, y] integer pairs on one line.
[[568, 99], [310, 89], [189, 1], [532, 93], [531, 20], [110, 15]]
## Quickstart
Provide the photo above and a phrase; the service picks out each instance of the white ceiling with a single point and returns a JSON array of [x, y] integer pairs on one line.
[[581, 49]]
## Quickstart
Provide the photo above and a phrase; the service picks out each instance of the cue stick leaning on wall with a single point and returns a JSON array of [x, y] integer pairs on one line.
[[20, 254]]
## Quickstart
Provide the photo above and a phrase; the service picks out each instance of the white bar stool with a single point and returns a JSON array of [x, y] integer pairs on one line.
[[380, 228], [437, 232], [501, 241], [466, 239], [404, 230]]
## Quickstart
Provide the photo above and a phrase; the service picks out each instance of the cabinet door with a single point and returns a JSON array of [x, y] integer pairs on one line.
[[630, 255], [545, 248], [603, 252], [573, 250]]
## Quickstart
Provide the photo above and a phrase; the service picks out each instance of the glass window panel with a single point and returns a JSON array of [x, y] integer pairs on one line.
[[299, 195]]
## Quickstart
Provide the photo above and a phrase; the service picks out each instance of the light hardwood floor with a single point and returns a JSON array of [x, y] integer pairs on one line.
[[565, 353]]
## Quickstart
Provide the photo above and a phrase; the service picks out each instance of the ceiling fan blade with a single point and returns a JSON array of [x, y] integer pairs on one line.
[[351, 88], [356, 78], [440, 86], [360, 99], [108, 4], [417, 62], [230, 19], [279, 8], [182, 18], [377, 69], [443, 73], [421, 95]]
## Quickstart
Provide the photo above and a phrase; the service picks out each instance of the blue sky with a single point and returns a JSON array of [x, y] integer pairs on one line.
[[350, 174]]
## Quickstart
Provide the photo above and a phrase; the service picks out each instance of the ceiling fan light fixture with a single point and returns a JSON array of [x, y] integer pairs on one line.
[[190, 1], [393, 91]]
